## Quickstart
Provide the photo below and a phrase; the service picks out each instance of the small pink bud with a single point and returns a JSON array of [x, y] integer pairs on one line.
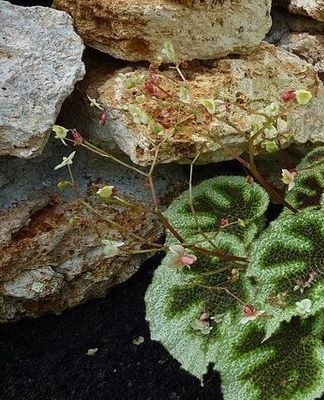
[[184, 64], [224, 222], [249, 310], [293, 172], [204, 316], [188, 260], [102, 118], [288, 95], [76, 137]]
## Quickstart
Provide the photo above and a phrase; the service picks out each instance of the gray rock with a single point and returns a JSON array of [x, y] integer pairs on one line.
[[49, 264], [306, 46], [255, 80], [135, 30], [310, 8], [45, 266], [40, 61]]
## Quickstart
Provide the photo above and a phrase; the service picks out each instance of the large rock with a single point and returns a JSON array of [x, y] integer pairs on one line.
[[306, 46], [48, 264], [253, 81], [135, 29], [283, 23], [40, 61], [311, 8]]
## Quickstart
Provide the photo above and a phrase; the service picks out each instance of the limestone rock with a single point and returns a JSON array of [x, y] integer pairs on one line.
[[308, 47], [135, 29], [48, 264], [311, 8], [40, 61], [284, 23], [254, 80], [299, 23]]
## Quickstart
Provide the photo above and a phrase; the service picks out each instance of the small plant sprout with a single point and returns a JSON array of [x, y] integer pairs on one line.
[[209, 105], [179, 258], [304, 308], [184, 95], [105, 192], [303, 97], [288, 177], [111, 247], [67, 161], [139, 116], [168, 52], [272, 109], [250, 314], [169, 55], [60, 133]]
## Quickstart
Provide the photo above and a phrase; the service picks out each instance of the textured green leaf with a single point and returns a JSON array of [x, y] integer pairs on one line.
[[309, 182], [175, 299], [288, 366], [230, 197], [287, 266]]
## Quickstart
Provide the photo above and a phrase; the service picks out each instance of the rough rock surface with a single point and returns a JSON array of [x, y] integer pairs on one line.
[[308, 47], [135, 29], [284, 23], [299, 23], [48, 264], [40, 61], [311, 8], [261, 75]]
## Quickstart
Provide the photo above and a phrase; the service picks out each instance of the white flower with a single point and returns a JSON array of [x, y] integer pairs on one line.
[[179, 258], [92, 352], [60, 133], [288, 177], [201, 325], [138, 340], [94, 103], [111, 248], [304, 308], [66, 161]]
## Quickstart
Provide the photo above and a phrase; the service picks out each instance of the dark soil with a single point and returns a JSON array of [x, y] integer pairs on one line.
[[45, 358]]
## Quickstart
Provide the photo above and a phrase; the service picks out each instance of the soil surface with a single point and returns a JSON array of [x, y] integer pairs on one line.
[[45, 358]]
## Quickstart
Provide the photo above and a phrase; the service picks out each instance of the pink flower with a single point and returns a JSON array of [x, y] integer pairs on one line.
[[250, 314], [179, 258]]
